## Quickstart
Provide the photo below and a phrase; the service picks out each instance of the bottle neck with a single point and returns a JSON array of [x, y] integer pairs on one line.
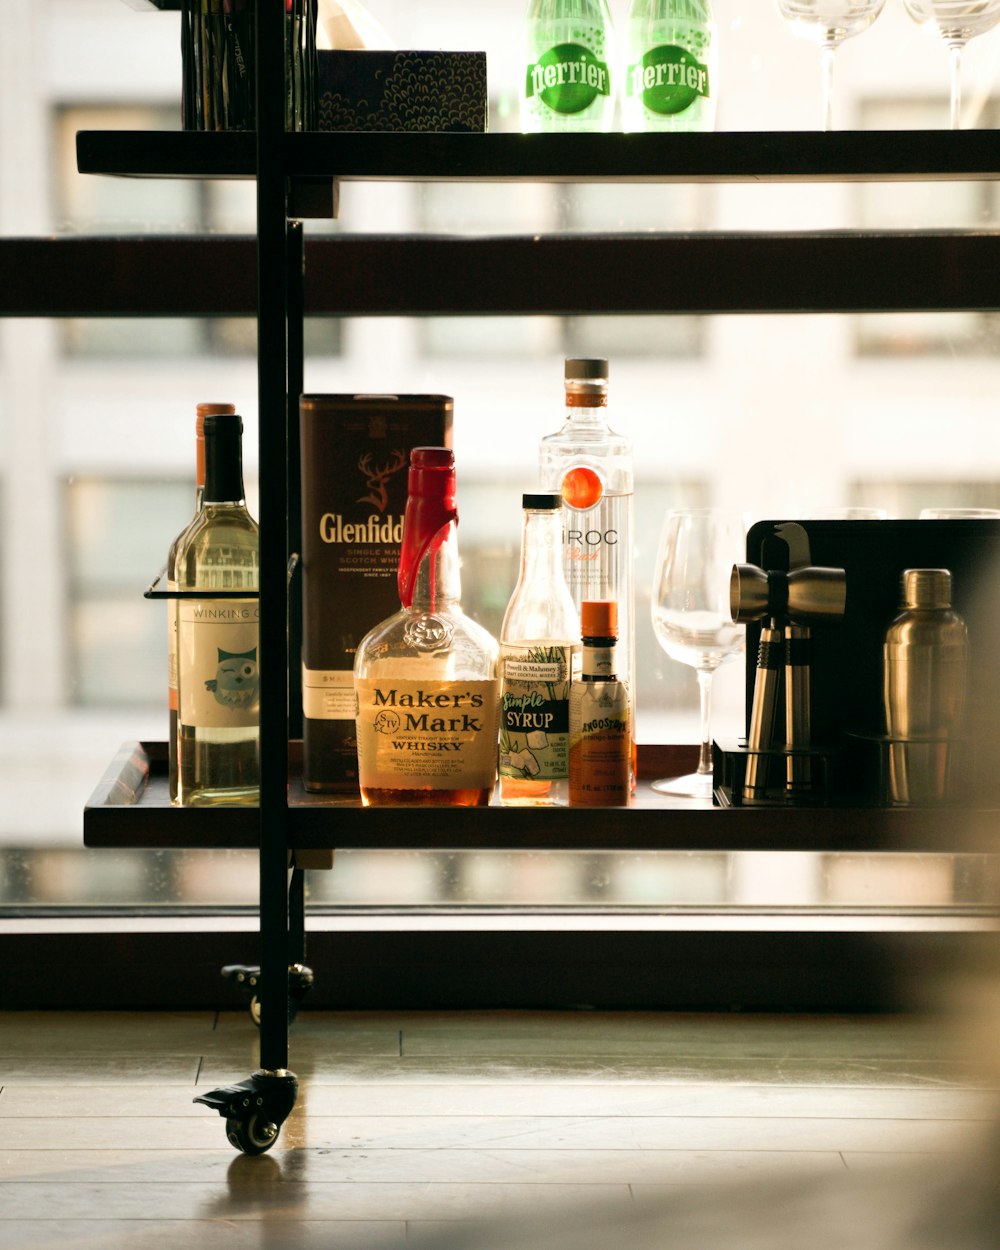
[[541, 546], [599, 660], [586, 402], [223, 467], [437, 583]]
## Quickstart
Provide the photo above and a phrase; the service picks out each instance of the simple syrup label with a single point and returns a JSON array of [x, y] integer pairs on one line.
[[534, 712]]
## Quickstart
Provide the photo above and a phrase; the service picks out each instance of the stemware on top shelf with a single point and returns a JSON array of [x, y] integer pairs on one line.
[[828, 23], [956, 22], [691, 615]]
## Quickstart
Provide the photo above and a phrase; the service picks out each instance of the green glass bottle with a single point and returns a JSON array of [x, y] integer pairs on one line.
[[218, 678], [570, 66]]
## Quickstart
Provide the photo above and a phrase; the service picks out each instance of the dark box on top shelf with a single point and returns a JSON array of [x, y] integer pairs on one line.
[[355, 457], [848, 749], [427, 91]]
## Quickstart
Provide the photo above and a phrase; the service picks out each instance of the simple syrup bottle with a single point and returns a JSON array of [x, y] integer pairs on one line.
[[539, 649], [426, 678], [203, 410], [600, 751], [218, 678], [590, 465]]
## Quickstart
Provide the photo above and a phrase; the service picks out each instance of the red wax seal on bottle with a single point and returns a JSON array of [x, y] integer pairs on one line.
[[430, 509]]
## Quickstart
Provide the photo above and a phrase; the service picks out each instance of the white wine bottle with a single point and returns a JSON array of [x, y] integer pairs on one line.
[[218, 631], [171, 585]]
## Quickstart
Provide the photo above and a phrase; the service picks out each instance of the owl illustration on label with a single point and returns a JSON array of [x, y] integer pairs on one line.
[[237, 680]]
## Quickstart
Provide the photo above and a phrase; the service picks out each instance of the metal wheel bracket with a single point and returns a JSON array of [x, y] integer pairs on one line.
[[254, 1109]]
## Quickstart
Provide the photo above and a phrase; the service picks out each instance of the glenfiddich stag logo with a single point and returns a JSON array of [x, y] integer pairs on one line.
[[377, 477]]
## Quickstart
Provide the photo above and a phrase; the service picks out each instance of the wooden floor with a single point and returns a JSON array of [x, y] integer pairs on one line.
[[411, 1128]]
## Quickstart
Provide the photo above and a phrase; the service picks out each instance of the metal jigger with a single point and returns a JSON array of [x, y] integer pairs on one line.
[[790, 603]]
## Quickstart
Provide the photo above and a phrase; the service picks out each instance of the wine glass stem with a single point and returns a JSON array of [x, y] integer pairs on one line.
[[956, 85], [705, 699], [826, 68]]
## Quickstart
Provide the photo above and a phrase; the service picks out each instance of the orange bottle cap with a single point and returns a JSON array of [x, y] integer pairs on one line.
[[599, 618]]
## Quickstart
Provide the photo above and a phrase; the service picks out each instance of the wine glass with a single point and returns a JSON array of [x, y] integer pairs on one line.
[[691, 615], [956, 21], [829, 23]]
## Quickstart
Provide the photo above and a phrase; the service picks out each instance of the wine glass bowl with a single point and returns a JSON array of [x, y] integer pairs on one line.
[[956, 22], [828, 23], [691, 615]]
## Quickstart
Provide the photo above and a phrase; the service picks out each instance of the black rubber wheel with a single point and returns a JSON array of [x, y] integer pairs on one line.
[[253, 1136]]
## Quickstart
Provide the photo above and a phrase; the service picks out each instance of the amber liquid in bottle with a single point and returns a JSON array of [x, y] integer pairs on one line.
[[426, 678]]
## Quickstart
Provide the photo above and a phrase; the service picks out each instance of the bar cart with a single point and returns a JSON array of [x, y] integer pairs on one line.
[[297, 176]]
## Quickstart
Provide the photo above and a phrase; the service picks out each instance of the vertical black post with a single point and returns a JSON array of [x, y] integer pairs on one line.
[[271, 390], [295, 295]]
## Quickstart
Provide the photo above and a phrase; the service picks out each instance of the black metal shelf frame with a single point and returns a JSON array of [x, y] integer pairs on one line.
[[298, 173], [548, 275]]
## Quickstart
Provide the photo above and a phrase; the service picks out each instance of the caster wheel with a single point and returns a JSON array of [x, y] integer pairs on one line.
[[255, 1010], [253, 1136]]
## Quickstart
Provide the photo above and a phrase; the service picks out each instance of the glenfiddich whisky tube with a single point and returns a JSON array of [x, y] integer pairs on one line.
[[355, 453]]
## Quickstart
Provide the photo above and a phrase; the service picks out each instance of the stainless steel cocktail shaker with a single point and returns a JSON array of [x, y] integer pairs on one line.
[[925, 667]]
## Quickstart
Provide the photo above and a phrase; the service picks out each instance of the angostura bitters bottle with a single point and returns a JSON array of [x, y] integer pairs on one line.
[[591, 467], [218, 679], [600, 753], [170, 579], [426, 678], [539, 648]]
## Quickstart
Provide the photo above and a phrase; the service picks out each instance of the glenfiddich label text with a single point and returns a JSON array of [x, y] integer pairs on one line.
[[377, 529]]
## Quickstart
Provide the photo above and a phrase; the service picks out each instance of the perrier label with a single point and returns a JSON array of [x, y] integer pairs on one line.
[[668, 79], [568, 78]]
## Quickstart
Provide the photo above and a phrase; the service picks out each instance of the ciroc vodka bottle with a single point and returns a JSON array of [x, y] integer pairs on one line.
[[570, 69], [591, 467], [426, 677], [539, 648], [669, 72]]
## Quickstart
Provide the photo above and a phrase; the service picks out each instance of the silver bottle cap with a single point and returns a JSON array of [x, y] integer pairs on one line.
[[926, 588], [577, 370]]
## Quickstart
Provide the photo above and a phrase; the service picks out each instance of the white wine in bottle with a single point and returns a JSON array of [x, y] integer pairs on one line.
[[218, 680], [171, 585]]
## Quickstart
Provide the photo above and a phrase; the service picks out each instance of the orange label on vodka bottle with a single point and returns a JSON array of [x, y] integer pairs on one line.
[[581, 488]]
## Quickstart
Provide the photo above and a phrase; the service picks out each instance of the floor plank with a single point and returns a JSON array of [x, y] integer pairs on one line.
[[411, 1127]]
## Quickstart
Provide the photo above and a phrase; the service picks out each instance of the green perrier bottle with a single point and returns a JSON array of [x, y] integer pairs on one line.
[[569, 76], [669, 68]]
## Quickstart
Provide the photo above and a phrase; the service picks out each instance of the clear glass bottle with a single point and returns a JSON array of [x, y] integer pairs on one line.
[[426, 678], [670, 66], [600, 752], [591, 467], [570, 66], [170, 581], [218, 679], [539, 649]]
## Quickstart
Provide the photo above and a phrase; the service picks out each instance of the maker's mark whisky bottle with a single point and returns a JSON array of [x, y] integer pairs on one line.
[[426, 678]]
